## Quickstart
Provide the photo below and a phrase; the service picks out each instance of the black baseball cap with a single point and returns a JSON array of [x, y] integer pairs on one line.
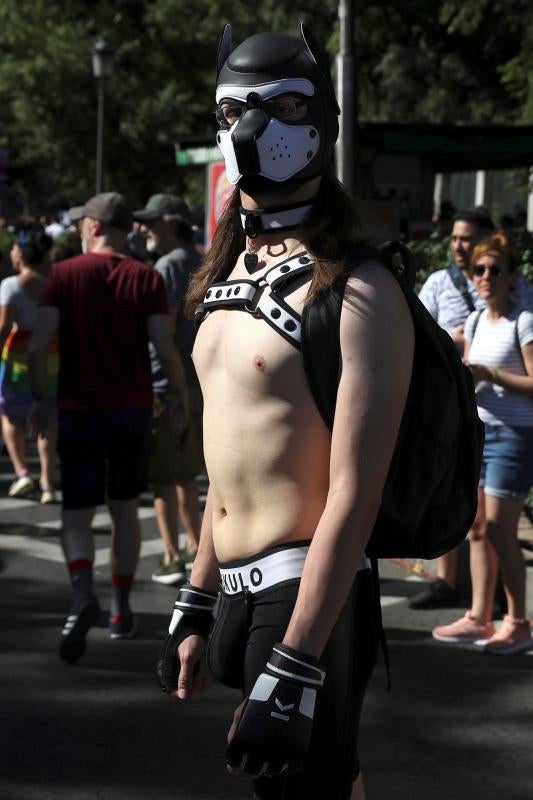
[[162, 205], [108, 207]]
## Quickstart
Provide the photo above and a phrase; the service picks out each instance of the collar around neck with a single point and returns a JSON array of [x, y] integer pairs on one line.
[[269, 220]]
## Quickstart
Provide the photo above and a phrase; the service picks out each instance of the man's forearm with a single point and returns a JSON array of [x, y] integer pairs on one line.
[[330, 568], [173, 369]]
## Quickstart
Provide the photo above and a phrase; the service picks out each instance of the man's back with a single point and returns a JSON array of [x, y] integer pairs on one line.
[[175, 268], [104, 303]]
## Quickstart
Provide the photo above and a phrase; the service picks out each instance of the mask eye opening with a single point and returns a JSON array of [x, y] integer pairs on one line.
[[229, 112]]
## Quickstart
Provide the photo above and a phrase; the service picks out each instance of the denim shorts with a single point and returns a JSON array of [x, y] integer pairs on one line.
[[507, 468], [103, 455]]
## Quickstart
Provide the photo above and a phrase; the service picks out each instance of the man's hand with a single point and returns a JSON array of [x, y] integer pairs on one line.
[[189, 628], [178, 416], [193, 676], [271, 730], [480, 372], [458, 337], [39, 418]]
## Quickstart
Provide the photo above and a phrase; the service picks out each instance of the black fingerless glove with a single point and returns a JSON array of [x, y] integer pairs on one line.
[[193, 615], [274, 730]]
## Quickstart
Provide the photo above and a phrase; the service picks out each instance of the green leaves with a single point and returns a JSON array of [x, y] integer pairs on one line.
[[461, 61]]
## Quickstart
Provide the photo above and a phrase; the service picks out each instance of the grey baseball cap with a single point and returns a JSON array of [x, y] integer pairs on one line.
[[108, 207], [75, 213], [162, 205]]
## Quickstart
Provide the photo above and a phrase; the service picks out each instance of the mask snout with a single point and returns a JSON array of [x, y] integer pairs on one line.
[[244, 137]]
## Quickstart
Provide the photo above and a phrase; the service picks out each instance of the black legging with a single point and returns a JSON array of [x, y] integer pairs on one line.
[[245, 630]]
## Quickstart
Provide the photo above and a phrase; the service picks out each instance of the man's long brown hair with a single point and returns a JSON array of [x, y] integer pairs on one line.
[[330, 234]]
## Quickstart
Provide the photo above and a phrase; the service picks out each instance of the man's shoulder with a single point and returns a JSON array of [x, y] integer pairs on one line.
[[373, 274], [75, 262], [181, 258], [87, 260], [436, 277]]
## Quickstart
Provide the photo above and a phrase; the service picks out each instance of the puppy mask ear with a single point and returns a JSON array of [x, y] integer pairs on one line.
[[224, 47], [316, 52]]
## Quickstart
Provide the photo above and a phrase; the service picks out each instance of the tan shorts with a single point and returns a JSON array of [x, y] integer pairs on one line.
[[171, 462]]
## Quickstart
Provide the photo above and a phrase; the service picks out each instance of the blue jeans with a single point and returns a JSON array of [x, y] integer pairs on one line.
[[507, 468]]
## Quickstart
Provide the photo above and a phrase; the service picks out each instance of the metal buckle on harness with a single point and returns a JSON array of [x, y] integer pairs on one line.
[[253, 225]]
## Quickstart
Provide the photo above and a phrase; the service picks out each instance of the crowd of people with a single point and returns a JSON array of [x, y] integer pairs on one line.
[[486, 306], [134, 413], [458, 296]]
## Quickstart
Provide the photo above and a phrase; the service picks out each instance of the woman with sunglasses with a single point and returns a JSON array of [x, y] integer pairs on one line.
[[19, 301], [499, 353]]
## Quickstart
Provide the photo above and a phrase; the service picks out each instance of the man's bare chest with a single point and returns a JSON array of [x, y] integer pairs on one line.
[[254, 345]]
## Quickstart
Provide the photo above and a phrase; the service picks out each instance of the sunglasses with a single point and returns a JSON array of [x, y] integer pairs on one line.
[[494, 272]]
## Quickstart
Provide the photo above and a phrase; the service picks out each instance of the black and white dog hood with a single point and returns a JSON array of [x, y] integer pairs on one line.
[[260, 151]]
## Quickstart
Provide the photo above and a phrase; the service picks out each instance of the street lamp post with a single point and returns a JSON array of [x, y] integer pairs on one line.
[[102, 58], [346, 92]]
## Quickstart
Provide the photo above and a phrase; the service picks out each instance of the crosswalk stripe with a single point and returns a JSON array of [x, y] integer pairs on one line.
[[46, 551], [49, 551], [15, 503], [101, 520], [149, 547], [390, 600]]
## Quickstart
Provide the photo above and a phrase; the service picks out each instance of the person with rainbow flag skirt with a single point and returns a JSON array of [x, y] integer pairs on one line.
[[19, 300]]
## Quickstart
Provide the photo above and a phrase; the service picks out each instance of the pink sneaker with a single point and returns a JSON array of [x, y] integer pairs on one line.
[[512, 636], [466, 629]]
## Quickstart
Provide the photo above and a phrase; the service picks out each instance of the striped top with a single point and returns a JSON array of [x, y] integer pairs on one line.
[[495, 345], [445, 302]]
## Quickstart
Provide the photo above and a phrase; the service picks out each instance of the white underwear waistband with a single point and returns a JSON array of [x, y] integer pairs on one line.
[[264, 572]]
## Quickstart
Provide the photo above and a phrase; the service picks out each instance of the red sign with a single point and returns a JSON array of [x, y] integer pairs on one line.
[[219, 191]]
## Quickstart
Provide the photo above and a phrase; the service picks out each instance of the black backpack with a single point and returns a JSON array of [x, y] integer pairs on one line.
[[430, 495]]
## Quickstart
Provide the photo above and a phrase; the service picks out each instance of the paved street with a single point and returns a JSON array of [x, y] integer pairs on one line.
[[457, 724]]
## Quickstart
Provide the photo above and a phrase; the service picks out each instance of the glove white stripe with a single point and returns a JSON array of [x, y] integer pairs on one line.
[[176, 616], [263, 687], [305, 664], [179, 604], [208, 596], [307, 703], [293, 676]]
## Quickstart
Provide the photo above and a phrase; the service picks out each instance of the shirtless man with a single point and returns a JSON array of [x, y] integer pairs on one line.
[[291, 505]]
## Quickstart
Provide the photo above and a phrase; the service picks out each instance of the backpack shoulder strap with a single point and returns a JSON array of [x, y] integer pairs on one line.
[[320, 343], [517, 338], [475, 323], [458, 280], [321, 348]]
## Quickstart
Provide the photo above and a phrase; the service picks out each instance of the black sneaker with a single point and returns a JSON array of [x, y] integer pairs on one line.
[[437, 594], [75, 630]]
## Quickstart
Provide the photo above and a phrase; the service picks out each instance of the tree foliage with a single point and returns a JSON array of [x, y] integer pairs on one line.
[[452, 61], [445, 61]]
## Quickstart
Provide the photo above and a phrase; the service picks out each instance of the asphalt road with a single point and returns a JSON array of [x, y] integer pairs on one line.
[[457, 724]]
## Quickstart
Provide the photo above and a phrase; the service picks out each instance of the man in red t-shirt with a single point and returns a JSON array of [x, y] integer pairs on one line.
[[106, 307]]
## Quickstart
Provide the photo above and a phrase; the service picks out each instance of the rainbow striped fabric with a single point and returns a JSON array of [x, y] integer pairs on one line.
[[15, 392]]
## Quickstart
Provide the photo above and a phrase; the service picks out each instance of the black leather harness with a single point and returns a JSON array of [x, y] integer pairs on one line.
[[261, 297]]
